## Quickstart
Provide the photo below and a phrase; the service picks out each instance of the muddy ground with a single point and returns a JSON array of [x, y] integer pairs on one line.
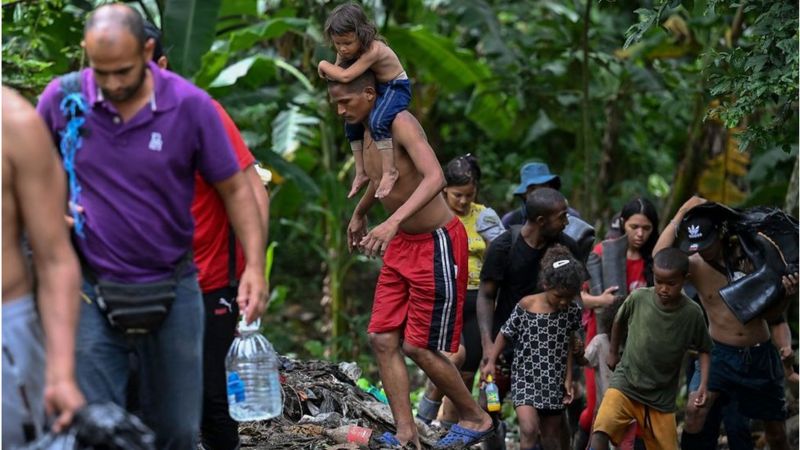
[[320, 397]]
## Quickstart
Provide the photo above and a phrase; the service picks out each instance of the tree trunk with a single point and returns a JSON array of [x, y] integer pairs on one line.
[[608, 148], [589, 206], [791, 203], [691, 164]]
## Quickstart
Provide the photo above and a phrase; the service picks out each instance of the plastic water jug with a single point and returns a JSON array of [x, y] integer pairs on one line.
[[251, 367]]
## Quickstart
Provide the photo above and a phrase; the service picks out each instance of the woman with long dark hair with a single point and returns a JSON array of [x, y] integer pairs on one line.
[[617, 267]]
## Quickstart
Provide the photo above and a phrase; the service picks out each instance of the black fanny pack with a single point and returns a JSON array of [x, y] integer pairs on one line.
[[135, 308], [138, 308]]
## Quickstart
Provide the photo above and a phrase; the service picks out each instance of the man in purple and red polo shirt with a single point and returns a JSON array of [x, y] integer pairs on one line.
[[147, 132]]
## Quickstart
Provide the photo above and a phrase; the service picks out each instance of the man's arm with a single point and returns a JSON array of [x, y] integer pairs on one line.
[[490, 356], [487, 293], [40, 186], [596, 301], [262, 199], [782, 338], [705, 366], [361, 65], [568, 388], [357, 228], [408, 133], [238, 197], [248, 166]]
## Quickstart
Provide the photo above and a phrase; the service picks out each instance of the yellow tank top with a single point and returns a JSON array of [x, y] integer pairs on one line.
[[475, 244]]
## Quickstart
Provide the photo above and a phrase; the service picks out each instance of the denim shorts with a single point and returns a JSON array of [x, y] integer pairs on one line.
[[753, 376]]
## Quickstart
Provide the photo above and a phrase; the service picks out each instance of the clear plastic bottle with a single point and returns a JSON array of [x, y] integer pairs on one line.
[[251, 367], [492, 395]]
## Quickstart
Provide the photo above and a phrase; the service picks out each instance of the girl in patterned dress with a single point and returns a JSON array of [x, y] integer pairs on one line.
[[541, 330]]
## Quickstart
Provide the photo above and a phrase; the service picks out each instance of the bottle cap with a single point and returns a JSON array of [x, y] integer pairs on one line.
[[245, 328], [489, 379]]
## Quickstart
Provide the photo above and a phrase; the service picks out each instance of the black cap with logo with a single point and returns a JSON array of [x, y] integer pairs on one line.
[[696, 232]]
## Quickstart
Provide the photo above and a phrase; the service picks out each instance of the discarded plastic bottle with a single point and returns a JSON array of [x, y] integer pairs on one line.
[[254, 388], [378, 394], [492, 395], [350, 433]]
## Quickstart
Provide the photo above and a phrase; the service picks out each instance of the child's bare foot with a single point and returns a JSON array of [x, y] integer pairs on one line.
[[359, 182], [387, 183]]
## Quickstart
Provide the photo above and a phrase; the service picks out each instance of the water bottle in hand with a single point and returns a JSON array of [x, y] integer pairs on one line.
[[492, 395], [254, 388]]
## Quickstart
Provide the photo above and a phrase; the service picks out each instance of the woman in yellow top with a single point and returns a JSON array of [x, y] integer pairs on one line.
[[463, 176]]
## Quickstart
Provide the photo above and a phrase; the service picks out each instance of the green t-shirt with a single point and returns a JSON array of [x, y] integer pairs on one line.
[[657, 341]]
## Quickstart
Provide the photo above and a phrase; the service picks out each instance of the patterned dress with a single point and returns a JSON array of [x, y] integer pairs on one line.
[[541, 343]]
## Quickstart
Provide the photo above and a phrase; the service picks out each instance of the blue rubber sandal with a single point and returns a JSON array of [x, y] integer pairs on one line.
[[460, 437], [390, 439]]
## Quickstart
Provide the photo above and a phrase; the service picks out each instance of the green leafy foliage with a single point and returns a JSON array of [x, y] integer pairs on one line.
[[40, 41], [759, 79], [503, 80], [186, 26]]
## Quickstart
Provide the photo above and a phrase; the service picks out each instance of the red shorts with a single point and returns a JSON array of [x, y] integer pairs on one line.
[[422, 286]]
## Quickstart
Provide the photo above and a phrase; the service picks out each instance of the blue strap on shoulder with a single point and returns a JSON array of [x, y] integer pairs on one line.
[[73, 106]]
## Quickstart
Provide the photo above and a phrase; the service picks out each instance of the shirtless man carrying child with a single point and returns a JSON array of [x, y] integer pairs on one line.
[[421, 288]]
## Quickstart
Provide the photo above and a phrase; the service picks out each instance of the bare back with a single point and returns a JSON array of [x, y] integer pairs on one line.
[[33, 192], [723, 325], [387, 65], [407, 132]]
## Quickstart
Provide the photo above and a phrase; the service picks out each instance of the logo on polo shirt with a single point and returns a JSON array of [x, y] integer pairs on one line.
[[155, 141], [694, 232]]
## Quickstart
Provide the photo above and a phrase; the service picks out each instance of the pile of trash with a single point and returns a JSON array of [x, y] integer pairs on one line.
[[326, 406]]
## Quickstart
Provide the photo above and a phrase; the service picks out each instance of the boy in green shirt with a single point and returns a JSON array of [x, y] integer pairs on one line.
[[660, 324]]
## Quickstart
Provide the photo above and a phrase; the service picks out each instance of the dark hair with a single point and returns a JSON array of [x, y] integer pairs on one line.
[[542, 201], [462, 171], [560, 270], [152, 32], [351, 18], [118, 14], [641, 205], [672, 259]]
